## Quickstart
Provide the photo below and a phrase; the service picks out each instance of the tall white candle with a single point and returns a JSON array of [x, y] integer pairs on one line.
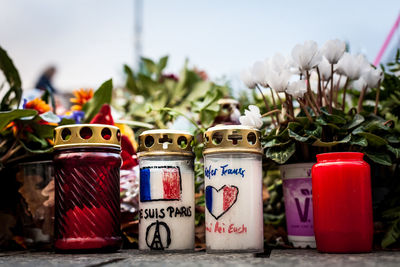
[[233, 192], [166, 198]]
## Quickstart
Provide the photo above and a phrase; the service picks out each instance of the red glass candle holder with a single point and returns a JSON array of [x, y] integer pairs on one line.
[[87, 202], [342, 203]]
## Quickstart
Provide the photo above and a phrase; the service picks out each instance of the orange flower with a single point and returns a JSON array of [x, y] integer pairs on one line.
[[81, 97], [37, 104]]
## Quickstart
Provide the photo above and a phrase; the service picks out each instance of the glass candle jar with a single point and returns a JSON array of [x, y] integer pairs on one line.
[[87, 203], [166, 196], [341, 186], [233, 189]]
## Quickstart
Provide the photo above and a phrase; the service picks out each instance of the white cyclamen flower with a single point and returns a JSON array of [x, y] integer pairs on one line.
[[359, 84], [247, 79], [333, 50], [258, 72], [373, 77], [325, 69], [297, 88], [252, 117], [352, 66], [278, 73], [306, 56]]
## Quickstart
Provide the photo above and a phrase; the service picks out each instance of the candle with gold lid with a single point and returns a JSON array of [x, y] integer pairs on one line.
[[233, 189], [166, 201], [87, 164]]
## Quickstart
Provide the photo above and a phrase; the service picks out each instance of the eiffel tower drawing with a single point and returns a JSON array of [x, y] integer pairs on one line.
[[156, 243]]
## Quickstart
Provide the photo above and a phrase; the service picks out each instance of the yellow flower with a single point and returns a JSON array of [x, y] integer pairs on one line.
[[37, 104], [81, 97]]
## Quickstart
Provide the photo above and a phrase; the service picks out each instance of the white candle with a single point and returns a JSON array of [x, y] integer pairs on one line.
[[166, 197], [233, 192]]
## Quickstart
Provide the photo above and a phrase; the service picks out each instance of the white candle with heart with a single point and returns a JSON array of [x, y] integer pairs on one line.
[[233, 189]]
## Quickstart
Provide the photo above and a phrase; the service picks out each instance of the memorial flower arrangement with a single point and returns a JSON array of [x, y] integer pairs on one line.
[[325, 100]]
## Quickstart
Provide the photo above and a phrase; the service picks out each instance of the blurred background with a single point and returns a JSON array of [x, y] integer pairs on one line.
[[89, 41]]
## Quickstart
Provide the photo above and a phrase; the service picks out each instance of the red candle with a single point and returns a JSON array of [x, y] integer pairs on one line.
[[87, 202], [342, 203]]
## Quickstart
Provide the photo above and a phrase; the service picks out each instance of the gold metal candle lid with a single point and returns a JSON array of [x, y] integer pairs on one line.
[[232, 138], [165, 142], [78, 135]]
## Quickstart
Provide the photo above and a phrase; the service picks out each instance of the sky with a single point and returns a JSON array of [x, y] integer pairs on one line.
[[90, 40]]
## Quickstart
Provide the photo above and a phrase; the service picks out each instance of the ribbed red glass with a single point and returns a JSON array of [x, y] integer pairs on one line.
[[342, 203], [87, 211]]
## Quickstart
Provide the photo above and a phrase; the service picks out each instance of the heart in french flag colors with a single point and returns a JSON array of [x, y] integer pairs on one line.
[[219, 201]]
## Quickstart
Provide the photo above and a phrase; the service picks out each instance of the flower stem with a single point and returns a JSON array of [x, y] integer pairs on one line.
[[266, 104], [305, 109], [344, 94], [360, 100], [274, 103], [319, 96], [311, 95], [13, 149], [271, 112], [378, 90], [331, 92]]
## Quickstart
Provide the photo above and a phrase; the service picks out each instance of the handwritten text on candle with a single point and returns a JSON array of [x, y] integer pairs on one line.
[[225, 170], [172, 212], [222, 228]]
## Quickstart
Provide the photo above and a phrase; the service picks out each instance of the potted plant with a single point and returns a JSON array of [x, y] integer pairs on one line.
[[313, 112]]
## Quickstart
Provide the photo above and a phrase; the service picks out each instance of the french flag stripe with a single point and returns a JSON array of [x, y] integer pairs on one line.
[[160, 184], [209, 198], [145, 192]]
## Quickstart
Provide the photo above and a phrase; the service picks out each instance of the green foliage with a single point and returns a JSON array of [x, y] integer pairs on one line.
[[102, 96], [338, 131], [151, 89], [13, 96]]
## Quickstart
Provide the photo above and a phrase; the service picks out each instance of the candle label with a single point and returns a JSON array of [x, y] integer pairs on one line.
[[166, 205], [298, 204], [219, 201], [154, 178]]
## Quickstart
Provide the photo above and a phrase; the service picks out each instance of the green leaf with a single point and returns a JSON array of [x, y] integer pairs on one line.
[[320, 143], [50, 117], [298, 137], [394, 150], [33, 138], [280, 154], [380, 158], [335, 119], [373, 140], [8, 116], [359, 141], [101, 96], [36, 151], [162, 63], [393, 235], [276, 142], [150, 66], [357, 120], [12, 76]]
